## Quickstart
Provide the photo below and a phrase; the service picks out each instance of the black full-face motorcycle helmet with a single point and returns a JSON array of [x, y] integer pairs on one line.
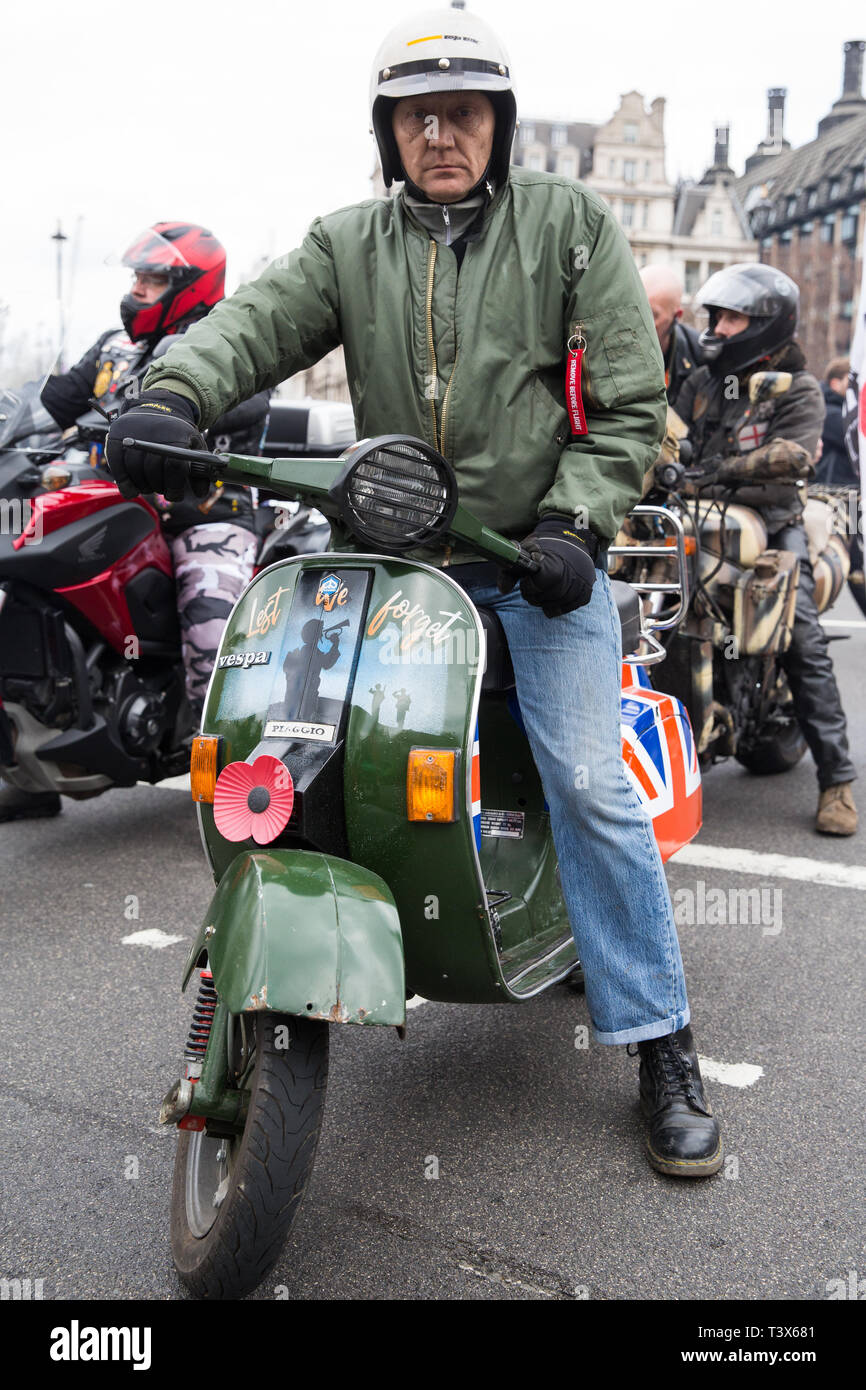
[[769, 298]]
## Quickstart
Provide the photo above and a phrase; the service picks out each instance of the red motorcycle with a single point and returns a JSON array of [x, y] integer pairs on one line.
[[91, 677]]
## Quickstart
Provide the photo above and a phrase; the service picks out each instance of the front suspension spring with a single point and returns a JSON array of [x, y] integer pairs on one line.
[[199, 1029]]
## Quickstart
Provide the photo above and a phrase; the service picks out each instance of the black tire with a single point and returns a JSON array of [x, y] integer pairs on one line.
[[266, 1168], [777, 754]]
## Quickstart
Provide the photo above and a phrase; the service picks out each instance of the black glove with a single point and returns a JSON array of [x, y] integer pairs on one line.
[[158, 417], [566, 570]]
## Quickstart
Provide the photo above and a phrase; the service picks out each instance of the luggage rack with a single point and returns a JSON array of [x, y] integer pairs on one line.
[[652, 622]]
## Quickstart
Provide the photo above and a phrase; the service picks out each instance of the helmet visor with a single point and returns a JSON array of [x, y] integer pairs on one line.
[[733, 289], [426, 75], [152, 254]]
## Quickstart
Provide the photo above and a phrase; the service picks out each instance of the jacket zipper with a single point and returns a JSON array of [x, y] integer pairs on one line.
[[431, 262], [438, 433]]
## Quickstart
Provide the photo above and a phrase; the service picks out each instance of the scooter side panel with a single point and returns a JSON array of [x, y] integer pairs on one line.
[[277, 908]]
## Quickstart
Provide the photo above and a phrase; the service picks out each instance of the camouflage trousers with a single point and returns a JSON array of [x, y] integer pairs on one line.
[[212, 565]]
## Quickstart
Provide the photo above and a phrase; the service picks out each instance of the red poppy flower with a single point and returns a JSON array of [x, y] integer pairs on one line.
[[253, 800]]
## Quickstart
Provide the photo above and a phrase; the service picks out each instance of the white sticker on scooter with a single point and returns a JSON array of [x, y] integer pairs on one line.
[[244, 660], [296, 728], [507, 825]]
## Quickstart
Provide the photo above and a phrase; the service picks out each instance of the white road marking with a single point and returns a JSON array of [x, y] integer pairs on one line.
[[730, 1073], [842, 622], [152, 937], [747, 861]]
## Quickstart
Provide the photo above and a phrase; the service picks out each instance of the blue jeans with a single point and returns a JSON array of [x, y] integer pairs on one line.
[[567, 672]]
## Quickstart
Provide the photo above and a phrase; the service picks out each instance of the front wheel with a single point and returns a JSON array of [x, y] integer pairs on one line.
[[234, 1199], [777, 753]]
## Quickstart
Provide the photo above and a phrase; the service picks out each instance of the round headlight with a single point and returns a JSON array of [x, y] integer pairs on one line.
[[396, 492]]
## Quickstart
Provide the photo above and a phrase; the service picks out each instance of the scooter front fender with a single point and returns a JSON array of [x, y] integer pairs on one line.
[[304, 933]]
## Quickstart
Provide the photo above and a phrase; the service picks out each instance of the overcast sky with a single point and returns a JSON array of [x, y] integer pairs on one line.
[[252, 117]]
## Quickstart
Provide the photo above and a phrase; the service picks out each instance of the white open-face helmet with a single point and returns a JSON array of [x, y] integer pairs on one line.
[[443, 50]]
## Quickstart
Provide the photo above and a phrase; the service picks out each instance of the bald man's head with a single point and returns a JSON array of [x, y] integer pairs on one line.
[[664, 291]]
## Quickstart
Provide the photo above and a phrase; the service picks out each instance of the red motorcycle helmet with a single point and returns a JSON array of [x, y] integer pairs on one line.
[[195, 263]]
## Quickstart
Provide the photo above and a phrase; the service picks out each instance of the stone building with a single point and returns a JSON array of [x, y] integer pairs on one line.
[[557, 147], [807, 207], [695, 228]]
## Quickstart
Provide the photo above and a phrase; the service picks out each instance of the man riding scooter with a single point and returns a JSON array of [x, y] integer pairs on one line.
[[178, 273], [459, 304], [753, 318]]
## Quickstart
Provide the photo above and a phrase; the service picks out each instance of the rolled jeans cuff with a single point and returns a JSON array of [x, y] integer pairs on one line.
[[647, 1031]]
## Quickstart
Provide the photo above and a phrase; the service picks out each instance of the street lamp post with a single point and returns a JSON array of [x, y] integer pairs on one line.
[[59, 236]]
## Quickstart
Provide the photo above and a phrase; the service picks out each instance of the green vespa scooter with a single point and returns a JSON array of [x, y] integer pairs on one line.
[[340, 793]]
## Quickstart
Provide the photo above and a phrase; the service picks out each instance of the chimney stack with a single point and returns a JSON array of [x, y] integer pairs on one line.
[[851, 102], [720, 154], [775, 142], [852, 80], [776, 117]]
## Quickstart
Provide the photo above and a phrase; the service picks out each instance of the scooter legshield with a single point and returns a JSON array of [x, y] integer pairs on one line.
[[304, 933]]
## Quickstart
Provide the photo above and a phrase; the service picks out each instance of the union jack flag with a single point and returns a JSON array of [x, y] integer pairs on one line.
[[661, 760]]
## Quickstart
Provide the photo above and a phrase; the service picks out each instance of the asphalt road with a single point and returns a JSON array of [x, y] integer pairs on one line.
[[543, 1189]]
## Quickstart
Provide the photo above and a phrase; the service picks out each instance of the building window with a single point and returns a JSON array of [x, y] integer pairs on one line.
[[629, 170], [848, 230], [806, 230], [558, 136], [627, 218], [566, 166], [792, 207], [858, 181], [647, 169], [611, 167], [786, 237], [812, 198], [835, 189], [535, 161], [629, 134], [644, 215], [527, 135], [693, 277], [766, 243], [713, 267], [827, 225], [716, 227]]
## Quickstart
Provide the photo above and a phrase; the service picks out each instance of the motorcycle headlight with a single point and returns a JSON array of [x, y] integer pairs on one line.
[[395, 492]]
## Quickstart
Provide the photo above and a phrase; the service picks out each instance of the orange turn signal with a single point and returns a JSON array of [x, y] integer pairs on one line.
[[430, 783], [203, 767], [690, 546]]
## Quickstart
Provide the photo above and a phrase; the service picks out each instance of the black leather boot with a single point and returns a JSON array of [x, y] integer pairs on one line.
[[683, 1138], [18, 805]]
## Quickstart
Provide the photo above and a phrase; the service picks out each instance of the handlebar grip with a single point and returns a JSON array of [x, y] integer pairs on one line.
[[199, 472], [526, 561]]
